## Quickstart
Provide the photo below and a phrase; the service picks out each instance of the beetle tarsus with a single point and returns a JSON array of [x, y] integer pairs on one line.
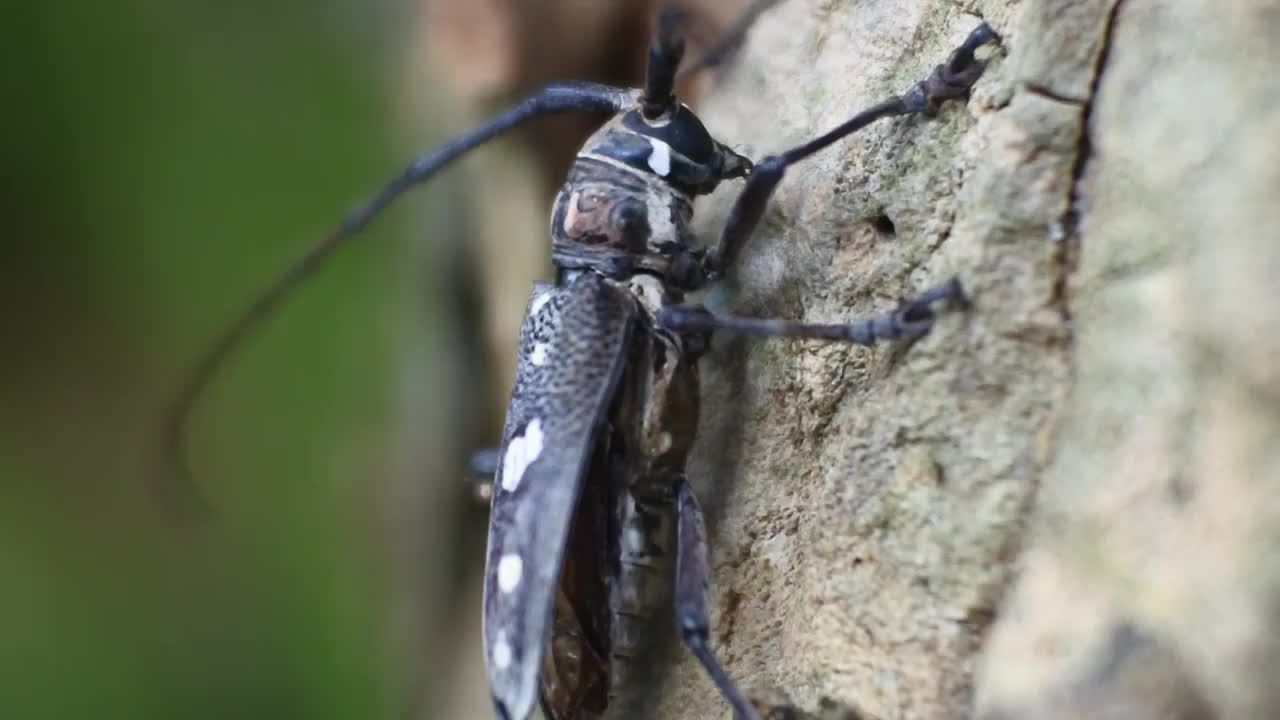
[[954, 78]]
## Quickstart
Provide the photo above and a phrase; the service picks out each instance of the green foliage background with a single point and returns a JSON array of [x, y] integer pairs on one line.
[[162, 162]]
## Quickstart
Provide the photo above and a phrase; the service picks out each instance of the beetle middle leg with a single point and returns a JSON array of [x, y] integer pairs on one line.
[[913, 319], [482, 468], [483, 465]]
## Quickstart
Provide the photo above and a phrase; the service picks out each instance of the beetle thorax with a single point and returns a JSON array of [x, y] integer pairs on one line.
[[616, 218], [628, 201]]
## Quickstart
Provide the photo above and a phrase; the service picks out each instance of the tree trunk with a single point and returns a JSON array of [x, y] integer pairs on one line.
[[1056, 504]]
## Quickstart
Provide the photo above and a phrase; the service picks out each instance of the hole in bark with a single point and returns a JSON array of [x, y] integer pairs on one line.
[[884, 225]]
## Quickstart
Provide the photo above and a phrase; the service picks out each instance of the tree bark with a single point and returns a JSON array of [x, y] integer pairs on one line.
[[1056, 504]]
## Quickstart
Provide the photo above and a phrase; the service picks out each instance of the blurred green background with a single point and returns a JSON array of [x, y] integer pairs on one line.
[[163, 161]]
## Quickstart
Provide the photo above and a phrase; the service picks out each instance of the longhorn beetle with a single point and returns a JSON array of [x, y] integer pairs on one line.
[[590, 503]]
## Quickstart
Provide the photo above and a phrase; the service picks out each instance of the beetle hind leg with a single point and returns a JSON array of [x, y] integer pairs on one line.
[[481, 471], [692, 578]]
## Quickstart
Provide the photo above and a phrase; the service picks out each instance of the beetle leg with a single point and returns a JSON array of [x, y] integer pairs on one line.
[[481, 470], [692, 578], [913, 319], [951, 80]]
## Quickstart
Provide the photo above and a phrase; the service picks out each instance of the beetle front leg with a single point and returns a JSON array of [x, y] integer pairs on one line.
[[913, 319], [693, 575], [948, 81]]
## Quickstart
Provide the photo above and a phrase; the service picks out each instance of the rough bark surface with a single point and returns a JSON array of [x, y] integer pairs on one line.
[[1153, 590], [1055, 505]]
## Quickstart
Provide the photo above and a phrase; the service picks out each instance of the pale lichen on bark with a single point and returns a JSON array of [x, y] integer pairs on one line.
[[1103, 196], [1159, 511], [1062, 503], [873, 499]]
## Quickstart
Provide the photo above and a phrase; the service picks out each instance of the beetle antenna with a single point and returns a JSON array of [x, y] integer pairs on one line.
[[665, 53], [729, 41], [173, 486]]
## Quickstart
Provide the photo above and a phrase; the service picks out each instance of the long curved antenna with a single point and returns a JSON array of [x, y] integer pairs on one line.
[[728, 41], [174, 487]]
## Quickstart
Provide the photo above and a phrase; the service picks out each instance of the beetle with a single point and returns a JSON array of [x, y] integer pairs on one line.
[[593, 527]]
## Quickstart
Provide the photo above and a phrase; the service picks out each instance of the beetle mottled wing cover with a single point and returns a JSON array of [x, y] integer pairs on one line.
[[572, 351]]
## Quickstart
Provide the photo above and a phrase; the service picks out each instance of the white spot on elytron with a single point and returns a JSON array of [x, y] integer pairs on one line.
[[660, 158], [510, 568], [521, 452], [538, 302], [539, 355], [501, 651], [633, 541]]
